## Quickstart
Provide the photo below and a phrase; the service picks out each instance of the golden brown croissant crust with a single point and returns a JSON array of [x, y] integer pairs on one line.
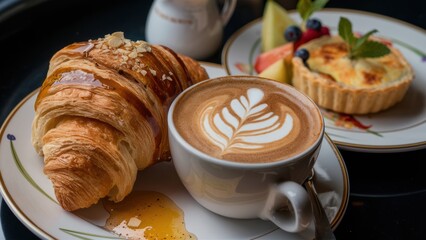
[[101, 115]]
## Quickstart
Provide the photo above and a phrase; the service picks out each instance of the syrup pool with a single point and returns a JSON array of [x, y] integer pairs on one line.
[[146, 215]]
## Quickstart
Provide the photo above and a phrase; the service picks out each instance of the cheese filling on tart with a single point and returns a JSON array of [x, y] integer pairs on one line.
[[329, 57]]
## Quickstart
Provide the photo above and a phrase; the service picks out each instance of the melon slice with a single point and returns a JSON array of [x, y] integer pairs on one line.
[[274, 22], [280, 71]]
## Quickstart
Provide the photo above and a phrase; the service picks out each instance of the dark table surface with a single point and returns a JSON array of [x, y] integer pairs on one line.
[[387, 190]]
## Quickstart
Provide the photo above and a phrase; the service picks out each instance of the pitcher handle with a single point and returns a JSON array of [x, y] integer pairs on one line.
[[228, 10]]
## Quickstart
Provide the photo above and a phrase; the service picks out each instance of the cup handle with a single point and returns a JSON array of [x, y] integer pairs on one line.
[[227, 11], [288, 206]]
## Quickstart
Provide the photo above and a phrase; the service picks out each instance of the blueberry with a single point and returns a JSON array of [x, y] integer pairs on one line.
[[302, 53], [293, 33], [314, 24]]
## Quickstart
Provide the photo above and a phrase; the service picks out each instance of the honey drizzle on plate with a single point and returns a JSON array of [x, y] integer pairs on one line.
[[159, 216]]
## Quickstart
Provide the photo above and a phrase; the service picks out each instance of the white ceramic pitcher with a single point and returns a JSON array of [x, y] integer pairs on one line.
[[190, 27]]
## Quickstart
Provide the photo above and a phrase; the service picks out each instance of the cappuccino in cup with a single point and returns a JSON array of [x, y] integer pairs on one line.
[[243, 146], [246, 120]]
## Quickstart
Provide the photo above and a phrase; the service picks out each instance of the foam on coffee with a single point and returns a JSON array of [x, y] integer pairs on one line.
[[244, 120]]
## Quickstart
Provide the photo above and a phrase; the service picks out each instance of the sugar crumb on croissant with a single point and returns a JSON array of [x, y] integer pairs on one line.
[[100, 115]]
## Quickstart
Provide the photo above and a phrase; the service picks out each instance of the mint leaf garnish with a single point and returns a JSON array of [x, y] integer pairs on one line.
[[371, 49], [360, 47], [345, 31], [306, 7]]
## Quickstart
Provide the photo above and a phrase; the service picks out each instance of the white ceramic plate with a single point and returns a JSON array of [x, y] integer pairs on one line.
[[400, 128], [42, 215]]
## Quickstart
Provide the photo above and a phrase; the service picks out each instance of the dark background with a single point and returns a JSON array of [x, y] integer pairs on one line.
[[388, 191]]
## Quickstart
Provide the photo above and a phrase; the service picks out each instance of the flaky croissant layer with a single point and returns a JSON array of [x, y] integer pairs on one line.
[[101, 112]]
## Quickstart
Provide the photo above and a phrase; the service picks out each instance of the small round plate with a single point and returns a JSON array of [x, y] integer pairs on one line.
[[400, 128]]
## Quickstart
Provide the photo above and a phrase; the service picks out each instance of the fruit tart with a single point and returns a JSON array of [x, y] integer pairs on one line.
[[350, 74]]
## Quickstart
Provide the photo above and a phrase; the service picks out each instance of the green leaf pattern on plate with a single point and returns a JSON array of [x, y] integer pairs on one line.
[[21, 168], [86, 236], [26, 175]]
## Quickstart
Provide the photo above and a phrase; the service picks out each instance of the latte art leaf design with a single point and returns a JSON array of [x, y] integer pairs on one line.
[[245, 124]]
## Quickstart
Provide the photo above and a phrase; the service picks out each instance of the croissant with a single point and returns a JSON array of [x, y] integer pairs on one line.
[[100, 115]]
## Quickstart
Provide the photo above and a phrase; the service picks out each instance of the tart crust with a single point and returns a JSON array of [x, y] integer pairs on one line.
[[344, 98]]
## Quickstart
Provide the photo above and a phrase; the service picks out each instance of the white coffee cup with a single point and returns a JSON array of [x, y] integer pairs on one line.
[[270, 191], [190, 27]]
